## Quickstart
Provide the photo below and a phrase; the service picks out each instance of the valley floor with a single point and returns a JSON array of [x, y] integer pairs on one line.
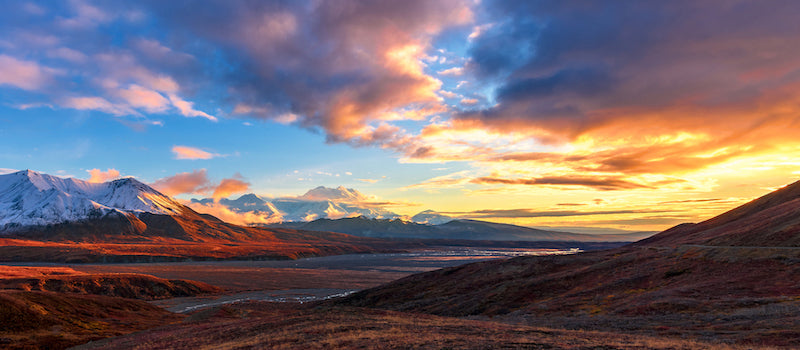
[[294, 326], [212, 321]]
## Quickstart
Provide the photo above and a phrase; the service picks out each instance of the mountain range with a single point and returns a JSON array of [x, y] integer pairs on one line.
[[460, 229], [42, 205], [320, 202], [44, 217]]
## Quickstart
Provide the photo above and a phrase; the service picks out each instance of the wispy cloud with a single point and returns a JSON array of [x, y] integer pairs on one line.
[[529, 213], [186, 152], [601, 183]]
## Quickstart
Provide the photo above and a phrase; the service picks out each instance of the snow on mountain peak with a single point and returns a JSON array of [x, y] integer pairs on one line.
[[31, 198], [431, 217], [340, 193]]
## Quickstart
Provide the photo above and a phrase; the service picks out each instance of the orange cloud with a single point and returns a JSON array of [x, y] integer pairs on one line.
[[240, 218], [186, 152], [601, 183], [230, 186], [195, 182], [97, 175]]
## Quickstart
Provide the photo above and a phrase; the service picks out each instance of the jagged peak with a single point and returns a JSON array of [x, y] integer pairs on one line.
[[28, 197]]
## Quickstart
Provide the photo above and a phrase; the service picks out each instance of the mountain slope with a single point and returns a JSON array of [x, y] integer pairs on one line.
[[452, 229], [769, 221], [716, 277], [28, 198]]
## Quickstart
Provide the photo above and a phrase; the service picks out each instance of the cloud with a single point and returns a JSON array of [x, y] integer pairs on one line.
[[448, 94], [68, 62], [86, 16], [25, 75], [195, 182], [4, 171], [600, 183], [139, 97], [186, 108], [227, 187], [628, 78], [348, 69], [97, 104], [97, 175], [235, 217], [529, 213], [455, 71], [68, 54], [186, 152], [625, 91]]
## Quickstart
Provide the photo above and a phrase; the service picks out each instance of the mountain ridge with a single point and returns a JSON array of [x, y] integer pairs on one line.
[[774, 216], [29, 198], [461, 229], [692, 279]]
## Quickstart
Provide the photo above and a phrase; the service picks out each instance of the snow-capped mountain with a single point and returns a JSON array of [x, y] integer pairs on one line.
[[431, 217], [28, 198], [320, 202]]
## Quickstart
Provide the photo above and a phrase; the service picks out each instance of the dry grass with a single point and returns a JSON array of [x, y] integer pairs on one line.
[[45, 320], [276, 326]]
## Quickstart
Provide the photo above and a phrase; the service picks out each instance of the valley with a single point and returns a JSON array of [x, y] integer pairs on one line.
[[137, 255]]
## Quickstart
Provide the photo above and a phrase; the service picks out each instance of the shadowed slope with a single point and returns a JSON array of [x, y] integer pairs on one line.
[[46, 320], [271, 326], [769, 221], [731, 273]]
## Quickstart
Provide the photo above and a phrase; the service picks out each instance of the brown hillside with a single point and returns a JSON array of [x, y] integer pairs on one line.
[[282, 326], [769, 221], [134, 286], [46, 320], [734, 277]]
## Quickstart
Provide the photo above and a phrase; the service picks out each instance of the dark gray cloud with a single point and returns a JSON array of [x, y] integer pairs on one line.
[[571, 67]]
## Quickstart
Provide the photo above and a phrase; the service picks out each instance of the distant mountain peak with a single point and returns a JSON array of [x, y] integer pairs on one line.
[[431, 217], [250, 197], [29, 198], [341, 193]]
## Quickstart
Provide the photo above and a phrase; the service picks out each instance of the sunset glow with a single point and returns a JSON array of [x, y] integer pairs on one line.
[[630, 115]]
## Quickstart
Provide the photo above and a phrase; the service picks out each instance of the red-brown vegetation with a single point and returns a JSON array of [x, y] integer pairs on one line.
[[47, 320], [286, 326], [732, 278]]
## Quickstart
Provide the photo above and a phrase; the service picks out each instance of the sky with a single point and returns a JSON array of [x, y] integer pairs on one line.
[[636, 115]]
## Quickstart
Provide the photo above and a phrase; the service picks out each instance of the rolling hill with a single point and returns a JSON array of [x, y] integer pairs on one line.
[[734, 277]]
